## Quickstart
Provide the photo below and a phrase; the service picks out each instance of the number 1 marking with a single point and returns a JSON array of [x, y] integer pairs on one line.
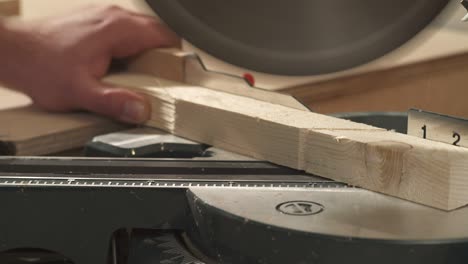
[[424, 128]]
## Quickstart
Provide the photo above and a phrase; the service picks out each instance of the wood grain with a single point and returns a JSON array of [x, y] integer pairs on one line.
[[411, 168]]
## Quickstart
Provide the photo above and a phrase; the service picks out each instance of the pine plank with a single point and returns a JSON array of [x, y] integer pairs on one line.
[[411, 168]]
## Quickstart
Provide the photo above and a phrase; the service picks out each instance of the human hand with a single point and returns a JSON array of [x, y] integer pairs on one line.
[[59, 61]]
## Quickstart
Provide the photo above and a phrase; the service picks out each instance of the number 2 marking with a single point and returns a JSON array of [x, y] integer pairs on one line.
[[457, 138], [455, 135]]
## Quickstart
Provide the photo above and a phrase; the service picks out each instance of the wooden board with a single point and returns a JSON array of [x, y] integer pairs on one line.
[[9, 7], [28, 131], [411, 168]]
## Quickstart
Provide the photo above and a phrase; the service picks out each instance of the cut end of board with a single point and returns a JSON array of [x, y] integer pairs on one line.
[[429, 173]]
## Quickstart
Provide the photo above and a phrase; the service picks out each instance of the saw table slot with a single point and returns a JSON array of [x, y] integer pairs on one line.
[[128, 167]]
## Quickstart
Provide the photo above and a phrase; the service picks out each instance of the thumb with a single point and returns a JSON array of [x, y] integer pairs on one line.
[[117, 103]]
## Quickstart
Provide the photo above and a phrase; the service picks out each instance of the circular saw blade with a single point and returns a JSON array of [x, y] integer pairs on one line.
[[297, 37]]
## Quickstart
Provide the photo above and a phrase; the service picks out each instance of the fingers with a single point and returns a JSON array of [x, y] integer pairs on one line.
[[117, 103], [123, 34], [128, 33]]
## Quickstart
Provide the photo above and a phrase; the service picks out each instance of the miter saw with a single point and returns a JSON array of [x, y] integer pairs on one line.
[[163, 199]]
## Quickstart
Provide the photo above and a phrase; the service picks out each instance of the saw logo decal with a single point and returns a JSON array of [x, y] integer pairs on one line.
[[300, 208]]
